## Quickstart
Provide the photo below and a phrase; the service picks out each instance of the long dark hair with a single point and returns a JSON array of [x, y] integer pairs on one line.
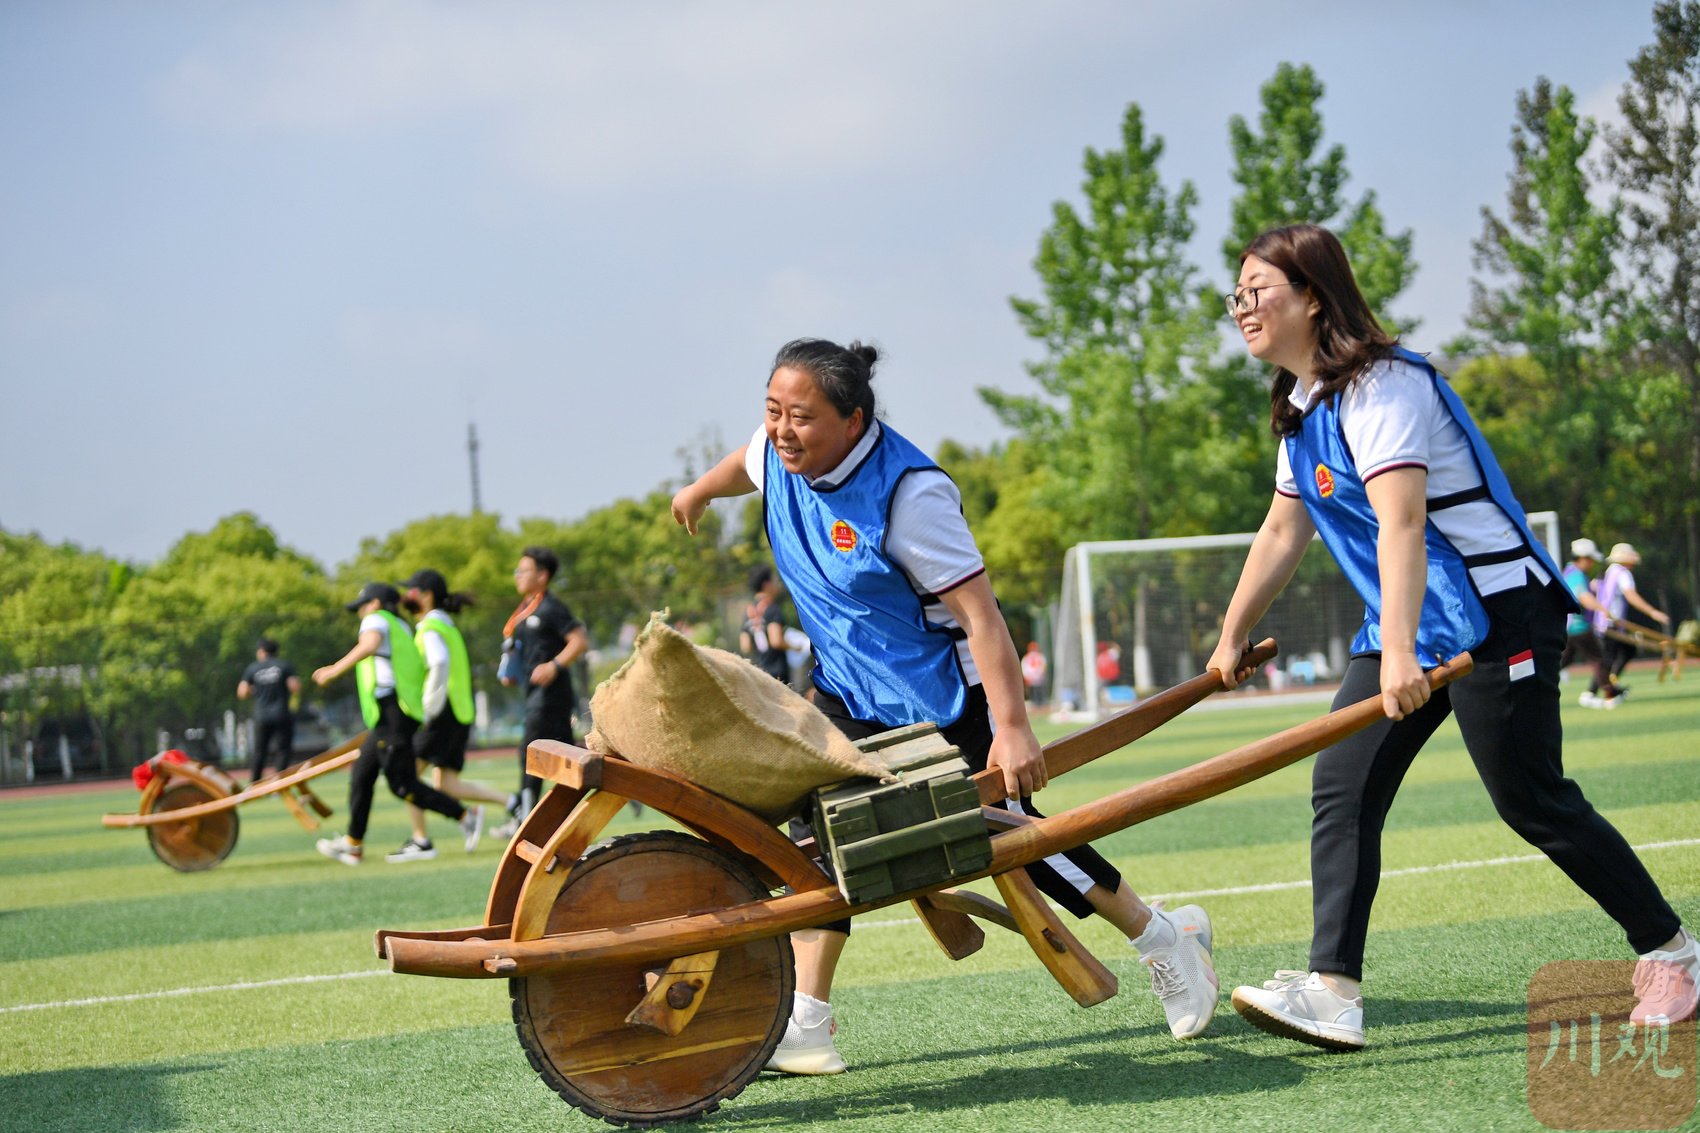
[[1348, 337], [844, 374]]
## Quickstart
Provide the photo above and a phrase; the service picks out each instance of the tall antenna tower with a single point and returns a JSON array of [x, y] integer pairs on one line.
[[472, 459]]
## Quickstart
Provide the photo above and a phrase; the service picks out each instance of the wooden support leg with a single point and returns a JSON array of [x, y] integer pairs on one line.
[[953, 931], [308, 822], [314, 801], [675, 993], [972, 904], [1077, 970]]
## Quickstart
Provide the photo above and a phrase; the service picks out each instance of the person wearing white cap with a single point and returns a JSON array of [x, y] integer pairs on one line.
[[1617, 593], [1580, 640]]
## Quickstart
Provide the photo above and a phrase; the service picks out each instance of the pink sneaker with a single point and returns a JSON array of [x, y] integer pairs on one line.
[[1667, 985]]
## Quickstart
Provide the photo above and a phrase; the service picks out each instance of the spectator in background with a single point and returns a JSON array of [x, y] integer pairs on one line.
[[1109, 662], [272, 682], [1580, 640], [762, 636], [544, 639], [1033, 667], [1616, 594]]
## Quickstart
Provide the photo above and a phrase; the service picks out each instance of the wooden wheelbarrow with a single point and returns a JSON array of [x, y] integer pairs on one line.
[[651, 976], [1672, 653], [188, 808]]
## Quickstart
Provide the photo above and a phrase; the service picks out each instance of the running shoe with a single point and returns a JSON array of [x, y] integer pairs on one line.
[[807, 1049], [1182, 976], [1667, 985], [472, 825], [1298, 1005], [413, 850], [340, 849]]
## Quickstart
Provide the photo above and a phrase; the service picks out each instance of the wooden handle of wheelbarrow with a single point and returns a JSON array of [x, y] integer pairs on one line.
[[326, 761], [1032, 841], [1082, 747], [481, 954]]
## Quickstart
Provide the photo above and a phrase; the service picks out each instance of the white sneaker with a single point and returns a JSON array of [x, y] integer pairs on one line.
[[807, 1049], [1182, 977], [1298, 1005], [1667, 985], [506, 830], [472, 825], [340, 849], [1610, 702], [1588, 700], [413, 850]]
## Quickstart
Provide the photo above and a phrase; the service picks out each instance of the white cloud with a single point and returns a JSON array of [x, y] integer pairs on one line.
[[1600, 104]]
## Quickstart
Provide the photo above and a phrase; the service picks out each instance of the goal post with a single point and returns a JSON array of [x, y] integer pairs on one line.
[[1160, 604]]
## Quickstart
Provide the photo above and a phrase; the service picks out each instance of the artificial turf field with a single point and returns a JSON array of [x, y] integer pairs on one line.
[[137, 999]]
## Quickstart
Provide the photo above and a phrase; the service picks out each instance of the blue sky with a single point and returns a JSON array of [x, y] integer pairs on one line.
[[276, 256]]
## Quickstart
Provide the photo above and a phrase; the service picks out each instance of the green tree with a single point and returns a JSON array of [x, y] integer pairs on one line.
[[177, 638], [1282, 180], [623, 561], [53, 602], [1004, 492], [1546, 395], [1285, 176], [1654, 159], [1122, 336]]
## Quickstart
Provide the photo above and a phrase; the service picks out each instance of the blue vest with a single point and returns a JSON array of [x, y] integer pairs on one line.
[[874, 648], [1453, 618]]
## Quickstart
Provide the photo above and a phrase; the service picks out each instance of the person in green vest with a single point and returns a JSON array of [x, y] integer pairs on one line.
[[390, 678], [447, 700]]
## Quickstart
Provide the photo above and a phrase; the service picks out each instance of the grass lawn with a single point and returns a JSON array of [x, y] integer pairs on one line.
[[136, 999]]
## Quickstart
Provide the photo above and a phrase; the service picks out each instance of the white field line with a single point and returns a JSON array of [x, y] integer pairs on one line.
[[1268, 887], [170, 993]]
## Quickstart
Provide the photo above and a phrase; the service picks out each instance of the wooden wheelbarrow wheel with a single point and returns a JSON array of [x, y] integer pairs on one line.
[[195, 844], [574, 1026]]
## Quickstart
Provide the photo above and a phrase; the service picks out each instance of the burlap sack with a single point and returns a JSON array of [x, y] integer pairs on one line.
[[713, 718]]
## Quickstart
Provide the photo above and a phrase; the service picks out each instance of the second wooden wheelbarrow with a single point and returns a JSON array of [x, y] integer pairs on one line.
[[651, 976], [1672, 653], [188, 808]]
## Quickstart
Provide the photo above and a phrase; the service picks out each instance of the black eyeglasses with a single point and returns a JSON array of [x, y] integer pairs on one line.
[[1245, 299]]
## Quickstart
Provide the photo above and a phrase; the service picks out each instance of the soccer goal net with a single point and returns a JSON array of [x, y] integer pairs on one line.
[[1143, 614]]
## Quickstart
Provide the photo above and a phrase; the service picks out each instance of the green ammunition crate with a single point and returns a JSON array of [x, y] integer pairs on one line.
[[922, 831]]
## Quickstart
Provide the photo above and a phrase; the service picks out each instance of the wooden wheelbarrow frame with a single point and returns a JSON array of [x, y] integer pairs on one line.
[[189, 809], [675, 954], [1672, 653]]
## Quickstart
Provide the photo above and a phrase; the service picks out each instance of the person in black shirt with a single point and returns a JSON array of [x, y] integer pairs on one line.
[[271, 681], [543, 639], [762, 638]]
